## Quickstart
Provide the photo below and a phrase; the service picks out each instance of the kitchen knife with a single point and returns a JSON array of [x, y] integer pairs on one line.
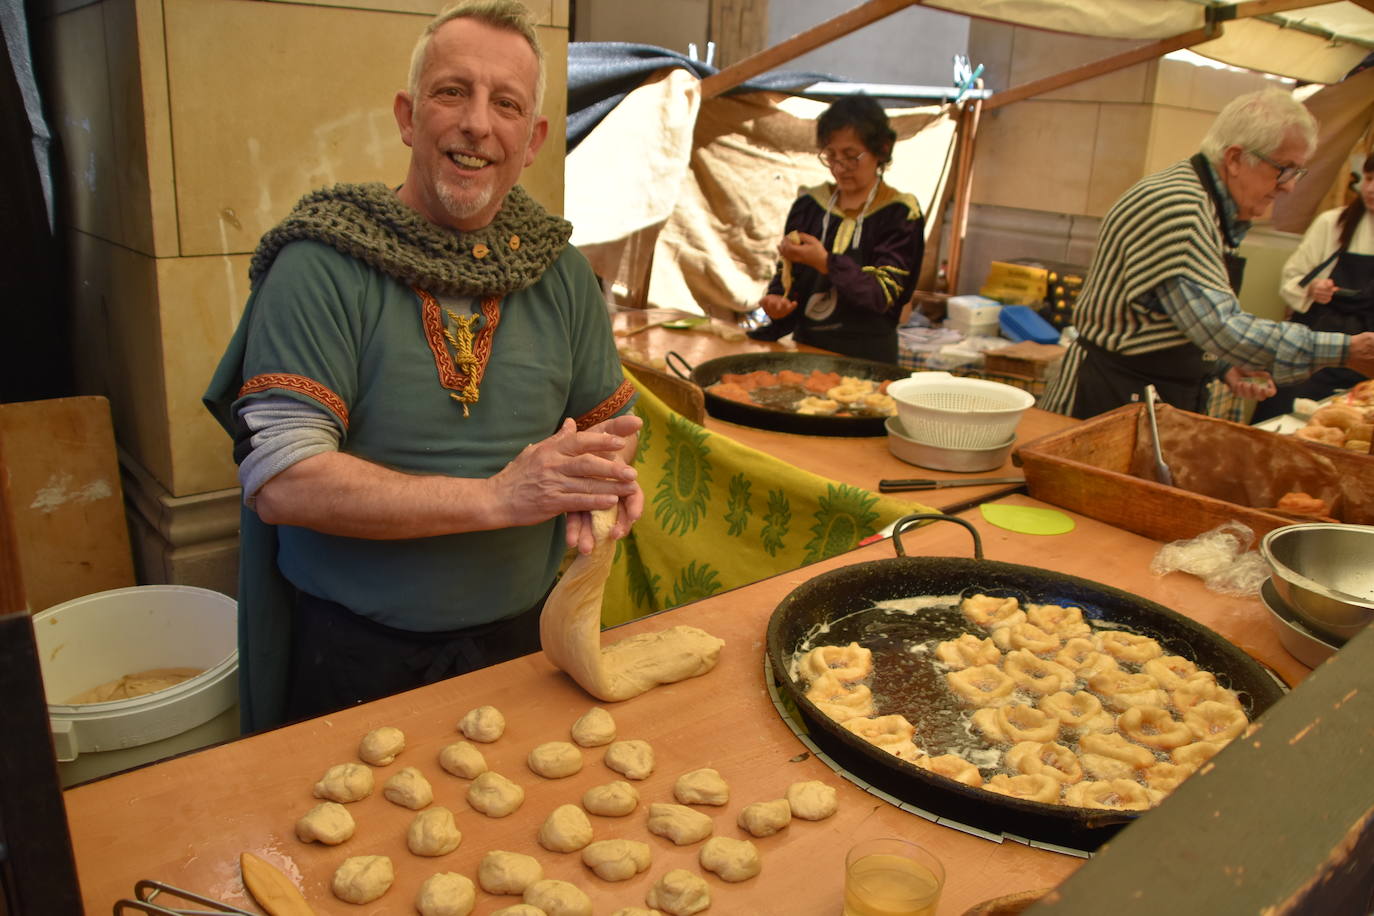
[[930, 483]]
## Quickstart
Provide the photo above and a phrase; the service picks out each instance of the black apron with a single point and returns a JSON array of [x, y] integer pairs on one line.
[[1107, 380]]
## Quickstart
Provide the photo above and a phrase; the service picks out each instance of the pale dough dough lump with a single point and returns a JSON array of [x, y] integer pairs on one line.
[[594, 728], [812, 801], [558, 898], [362, 879], [679, 893], [679, 823], [463, 760], [555, 759], [570, 632], [519, 909], [636, 911], [565, 830], [484, 724], [614, 799], [633, 759], [433, 833], [328, 823], [616, 860], [381, 745], [732, 860], [494, 795], [766, 818], [344, 783], [446, 894], [701, 787], [409, 789], [502, 872]]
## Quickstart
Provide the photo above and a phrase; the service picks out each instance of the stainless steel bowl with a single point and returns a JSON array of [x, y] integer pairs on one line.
[[1325, 574], [942, 458], [1303, 643]]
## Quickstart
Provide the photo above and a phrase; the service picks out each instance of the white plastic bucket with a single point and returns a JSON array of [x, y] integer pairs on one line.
[[96, 638]]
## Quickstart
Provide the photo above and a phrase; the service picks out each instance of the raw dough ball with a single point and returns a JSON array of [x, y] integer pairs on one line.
[[558, 898], [409, 789], [679, 893], [462, 759], [595, 728], [614, 799], [433, 833], [565, 830], [555, 759], [634, 759], [636, 911], [701, 787], [328, 823], [679, 823], [812, 801], [484, 724], [494, 795], [381, 745], [766, 818], [520, 909], [616, 860], [445, 894], [504, 872], [345, 782], [362, 879], [733, 860]]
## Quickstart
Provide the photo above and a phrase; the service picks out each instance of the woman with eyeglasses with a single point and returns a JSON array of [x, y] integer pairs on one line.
[[1328, 285], [852, 247], [1159, 302]]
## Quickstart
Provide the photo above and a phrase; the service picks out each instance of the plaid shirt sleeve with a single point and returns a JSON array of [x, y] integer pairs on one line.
[[1215, 322]]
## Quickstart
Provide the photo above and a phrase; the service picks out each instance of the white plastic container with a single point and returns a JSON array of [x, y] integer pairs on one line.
[[96, 638], [937, 408], [974, 316]]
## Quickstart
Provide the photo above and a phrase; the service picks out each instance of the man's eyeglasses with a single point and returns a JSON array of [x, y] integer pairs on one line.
[[1286, 174], [833, 161]]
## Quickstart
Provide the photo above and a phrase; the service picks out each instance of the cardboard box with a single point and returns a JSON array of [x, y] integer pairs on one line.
[[1027, 359]]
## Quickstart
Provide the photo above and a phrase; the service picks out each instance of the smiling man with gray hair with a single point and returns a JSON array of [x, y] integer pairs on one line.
[[1159, 303]]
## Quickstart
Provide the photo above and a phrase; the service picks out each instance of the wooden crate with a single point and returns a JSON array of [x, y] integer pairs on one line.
[[1086, 469]]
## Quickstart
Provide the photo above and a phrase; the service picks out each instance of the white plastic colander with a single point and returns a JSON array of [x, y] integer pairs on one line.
[[936, 408]]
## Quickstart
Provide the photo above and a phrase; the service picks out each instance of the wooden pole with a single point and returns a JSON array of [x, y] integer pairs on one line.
[[963, 178], [1106, 65], [770, 58]]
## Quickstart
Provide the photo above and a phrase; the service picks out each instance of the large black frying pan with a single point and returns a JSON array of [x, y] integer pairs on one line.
[[711, 371], [841, 602]]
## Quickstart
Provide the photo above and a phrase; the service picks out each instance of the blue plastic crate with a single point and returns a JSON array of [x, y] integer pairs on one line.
[[1021, 322]]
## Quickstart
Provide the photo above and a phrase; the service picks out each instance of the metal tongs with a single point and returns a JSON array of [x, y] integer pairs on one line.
[[146, 892], [1162, 471]]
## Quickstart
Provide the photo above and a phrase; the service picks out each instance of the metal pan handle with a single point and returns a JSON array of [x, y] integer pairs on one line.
[[669, 360], [906, 521]]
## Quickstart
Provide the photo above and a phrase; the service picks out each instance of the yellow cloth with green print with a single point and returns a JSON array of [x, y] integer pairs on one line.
[[718, 515]]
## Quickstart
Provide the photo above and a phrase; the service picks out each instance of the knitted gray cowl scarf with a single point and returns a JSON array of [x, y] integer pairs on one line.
[[370, 223]]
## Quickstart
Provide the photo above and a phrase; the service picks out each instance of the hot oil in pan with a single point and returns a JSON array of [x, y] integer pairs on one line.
[[779, 397]]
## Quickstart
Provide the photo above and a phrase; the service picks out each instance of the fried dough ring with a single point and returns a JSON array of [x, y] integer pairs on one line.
[[968, 650], [992, 612], [1115, 746], [881, 730], [1037, 675], [1100, 766], [1123, 794], [1154, 727], [1201, 688], [840, 701], [1122, 690], [981, 685], [1064, 622], [1171, 671], [1331, 435], [1213, 721], [1040, 788], [954, 767], [1337, 416], [1016, 722], [1075, 710], [848, 663], [1085, 658], [1026, 636], [1166, 777], [1130, 647], [1195, 754], [1044, 758]]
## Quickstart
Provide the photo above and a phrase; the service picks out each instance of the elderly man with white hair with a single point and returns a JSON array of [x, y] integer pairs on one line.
[[1158, 306]]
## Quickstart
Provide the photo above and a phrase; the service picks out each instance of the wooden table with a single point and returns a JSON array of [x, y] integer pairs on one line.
[[186, 820], [860, 462]]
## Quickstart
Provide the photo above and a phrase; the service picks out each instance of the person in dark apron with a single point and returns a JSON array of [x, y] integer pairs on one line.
[[852, 247], [1342, 300]]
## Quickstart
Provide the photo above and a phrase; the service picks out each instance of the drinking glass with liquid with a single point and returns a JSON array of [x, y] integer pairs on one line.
[[891, 877]]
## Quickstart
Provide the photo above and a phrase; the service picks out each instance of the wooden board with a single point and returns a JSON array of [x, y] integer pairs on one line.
[[65, 499]]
